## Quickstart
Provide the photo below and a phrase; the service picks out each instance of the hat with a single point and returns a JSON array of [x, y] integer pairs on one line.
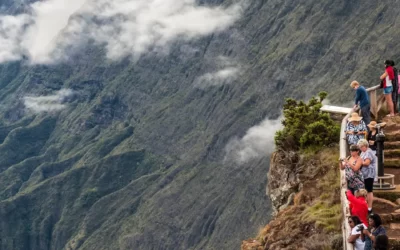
[[373, 124], [354, 117]]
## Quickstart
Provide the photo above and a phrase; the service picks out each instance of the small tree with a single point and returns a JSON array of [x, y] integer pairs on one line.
[[305, 126]]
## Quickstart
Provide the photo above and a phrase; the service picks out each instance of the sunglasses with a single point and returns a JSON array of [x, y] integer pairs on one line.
[[350, 221]]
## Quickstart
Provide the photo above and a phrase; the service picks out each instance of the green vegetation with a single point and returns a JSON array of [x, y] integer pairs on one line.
[[305, 126], [314, 219]]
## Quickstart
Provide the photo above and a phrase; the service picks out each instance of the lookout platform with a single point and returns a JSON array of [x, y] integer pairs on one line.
[[386, 202]]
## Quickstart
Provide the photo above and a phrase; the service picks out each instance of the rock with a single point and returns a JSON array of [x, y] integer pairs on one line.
[[283, 179], [252, 245]]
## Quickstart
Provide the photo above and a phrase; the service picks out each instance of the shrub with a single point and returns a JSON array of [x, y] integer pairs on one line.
[[305, 126]]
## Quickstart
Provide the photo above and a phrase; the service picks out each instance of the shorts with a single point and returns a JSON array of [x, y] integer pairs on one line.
[[388, 90], [369, 184]]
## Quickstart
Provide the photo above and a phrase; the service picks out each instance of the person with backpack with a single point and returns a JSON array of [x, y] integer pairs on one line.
[[387, 84], [395, 84]]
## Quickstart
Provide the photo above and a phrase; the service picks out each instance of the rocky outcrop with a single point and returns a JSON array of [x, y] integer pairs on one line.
[[283, 179], [304, 193]]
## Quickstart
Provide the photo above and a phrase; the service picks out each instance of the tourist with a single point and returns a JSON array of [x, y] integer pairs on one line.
[[395, 86], [358, 204], [372, 136], [355, 129], [356, 237], [387, 79], [352, 167], [375, 228], [381, 242], [362, 100], [368, 170]]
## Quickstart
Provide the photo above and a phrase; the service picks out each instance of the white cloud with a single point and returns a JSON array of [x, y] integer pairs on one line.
[[11, 35], [47, 103], [49, 19], [223, 76], [124, 27], [258, 142]]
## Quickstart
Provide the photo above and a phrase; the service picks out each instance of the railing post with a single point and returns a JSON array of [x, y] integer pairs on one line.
[[380, 139], [374, 105]]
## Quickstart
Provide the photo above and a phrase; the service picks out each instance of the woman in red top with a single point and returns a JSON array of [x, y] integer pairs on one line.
[[358, 205], [387, 79]]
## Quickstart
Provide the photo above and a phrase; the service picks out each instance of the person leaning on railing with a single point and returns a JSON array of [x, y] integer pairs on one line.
[[356, 237], [352, 167], [362, 100], [358, 204]]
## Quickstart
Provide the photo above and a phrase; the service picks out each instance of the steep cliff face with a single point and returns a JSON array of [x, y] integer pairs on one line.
[[305, 194], [284, 179]]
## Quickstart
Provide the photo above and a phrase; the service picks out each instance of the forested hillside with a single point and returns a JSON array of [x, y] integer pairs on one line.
[[112, 144]]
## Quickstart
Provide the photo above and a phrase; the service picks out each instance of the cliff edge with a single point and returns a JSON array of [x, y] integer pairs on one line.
[[304, 189]]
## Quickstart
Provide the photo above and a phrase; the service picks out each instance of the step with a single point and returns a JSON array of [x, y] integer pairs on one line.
[[392, 136], [392, 162], [392, 153], [392, 145]]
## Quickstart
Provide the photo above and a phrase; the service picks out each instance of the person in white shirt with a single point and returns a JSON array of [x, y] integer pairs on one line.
[[356, 237]]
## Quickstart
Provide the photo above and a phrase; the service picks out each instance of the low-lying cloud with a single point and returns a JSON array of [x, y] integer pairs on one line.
[[220, 77], [124, 27], [50, 103], [257, 143], [227, 71]]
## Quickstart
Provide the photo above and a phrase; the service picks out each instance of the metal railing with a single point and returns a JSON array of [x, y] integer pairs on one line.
[[376, 104], [343, 186]]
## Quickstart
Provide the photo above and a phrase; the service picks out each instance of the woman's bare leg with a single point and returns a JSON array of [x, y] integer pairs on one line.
[[389, 103]]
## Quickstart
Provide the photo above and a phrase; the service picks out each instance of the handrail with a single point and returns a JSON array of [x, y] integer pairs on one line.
[[343, 186], [373, 88], [375, 103]]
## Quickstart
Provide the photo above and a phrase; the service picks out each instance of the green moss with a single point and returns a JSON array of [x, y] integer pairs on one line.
[[326, 216]]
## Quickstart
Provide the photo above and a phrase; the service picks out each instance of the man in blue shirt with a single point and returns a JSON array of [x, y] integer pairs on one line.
[[362, 99]]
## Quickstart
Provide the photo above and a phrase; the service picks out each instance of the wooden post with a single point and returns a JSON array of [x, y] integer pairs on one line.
[[374, 106]]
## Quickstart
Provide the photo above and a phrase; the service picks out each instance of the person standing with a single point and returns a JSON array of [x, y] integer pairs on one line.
[[351, 167], [368, 170], [362, 100], [356, 129], [395, 84], [387, 79], [356, 236], [375, 229]]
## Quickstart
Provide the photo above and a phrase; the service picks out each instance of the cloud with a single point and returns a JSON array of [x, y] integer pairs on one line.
[[228, 70], [47, 103], [124, 27], [220, 77], [257, 142]]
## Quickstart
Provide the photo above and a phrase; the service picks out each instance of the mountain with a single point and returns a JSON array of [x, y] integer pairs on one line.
[[140, 152]]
